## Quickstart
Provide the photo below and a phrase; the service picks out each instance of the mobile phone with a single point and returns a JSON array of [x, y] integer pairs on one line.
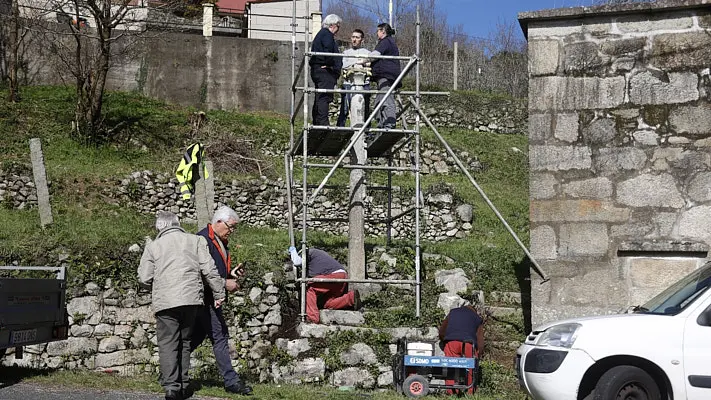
[[239, 272]]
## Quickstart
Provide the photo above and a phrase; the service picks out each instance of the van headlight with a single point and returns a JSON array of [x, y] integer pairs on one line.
[[562, 335]]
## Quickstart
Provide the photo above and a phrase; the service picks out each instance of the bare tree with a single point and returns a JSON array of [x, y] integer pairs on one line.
[[89, 38], [13, 36]]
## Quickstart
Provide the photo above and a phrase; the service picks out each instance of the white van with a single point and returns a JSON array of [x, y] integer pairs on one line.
[[660, 350]]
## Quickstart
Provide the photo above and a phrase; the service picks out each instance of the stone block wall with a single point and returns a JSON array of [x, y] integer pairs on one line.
[[620, 152]]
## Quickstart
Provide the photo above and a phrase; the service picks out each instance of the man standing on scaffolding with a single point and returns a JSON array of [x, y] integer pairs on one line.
[[385, 72], [354, 50], [325, 70]]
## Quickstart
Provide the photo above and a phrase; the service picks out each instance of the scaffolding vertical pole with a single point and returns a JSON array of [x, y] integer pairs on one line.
[[304, 199], [293, 73], [288, 164], [390, 199], [418, 206]]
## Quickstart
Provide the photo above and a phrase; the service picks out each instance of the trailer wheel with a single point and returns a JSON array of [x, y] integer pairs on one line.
[[416, 386]]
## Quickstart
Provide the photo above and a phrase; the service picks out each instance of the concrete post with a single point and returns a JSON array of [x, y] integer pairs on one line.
[[207, 11], [40, 176], [356, 230], [359, 155], [205, 196], [456, 64]]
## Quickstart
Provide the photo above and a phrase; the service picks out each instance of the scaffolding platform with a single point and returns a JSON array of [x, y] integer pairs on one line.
[[380, 143], [323, 143]]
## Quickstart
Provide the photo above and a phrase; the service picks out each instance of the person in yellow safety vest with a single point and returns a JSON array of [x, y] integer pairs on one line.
[[188, 172]]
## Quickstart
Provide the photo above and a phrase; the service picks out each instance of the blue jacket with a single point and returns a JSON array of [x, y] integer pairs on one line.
[[462, 324], [321, 263], [324, 42], [222, 262], [388, 69]]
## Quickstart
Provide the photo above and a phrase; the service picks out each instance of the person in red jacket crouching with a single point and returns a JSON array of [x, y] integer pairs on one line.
[[333, 295]]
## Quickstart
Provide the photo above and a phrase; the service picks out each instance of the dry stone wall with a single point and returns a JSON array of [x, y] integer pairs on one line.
[[619, 150], [113, 330], [262, 202]]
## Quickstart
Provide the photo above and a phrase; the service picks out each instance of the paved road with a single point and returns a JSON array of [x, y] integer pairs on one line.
[[32, 391]]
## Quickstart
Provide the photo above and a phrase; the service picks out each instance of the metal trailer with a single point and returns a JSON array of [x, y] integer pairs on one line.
[[32, 310], [413, 373]]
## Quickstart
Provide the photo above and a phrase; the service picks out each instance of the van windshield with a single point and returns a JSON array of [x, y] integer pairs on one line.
[[679, 295]]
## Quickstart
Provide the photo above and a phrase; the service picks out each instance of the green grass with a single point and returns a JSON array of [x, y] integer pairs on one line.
[[147, 383]]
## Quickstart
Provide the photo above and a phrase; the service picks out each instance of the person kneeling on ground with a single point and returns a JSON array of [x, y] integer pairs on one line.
[[333, 295], [462, 334]]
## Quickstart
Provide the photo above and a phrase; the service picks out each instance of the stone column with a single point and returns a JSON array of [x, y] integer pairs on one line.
[[205, 196], [207, 11], [40, 176], [356, 231]]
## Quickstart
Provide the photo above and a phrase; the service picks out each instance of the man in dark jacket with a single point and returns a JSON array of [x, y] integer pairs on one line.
[[385, 72], [324, 69], [210, 322], [333, 295], [462, 333]]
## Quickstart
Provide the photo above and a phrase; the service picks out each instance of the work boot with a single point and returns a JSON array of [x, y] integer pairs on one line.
[[356, 300], [239, 388], [173, 395]]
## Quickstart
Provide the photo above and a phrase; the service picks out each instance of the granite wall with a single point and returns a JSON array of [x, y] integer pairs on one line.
[[620, 152]]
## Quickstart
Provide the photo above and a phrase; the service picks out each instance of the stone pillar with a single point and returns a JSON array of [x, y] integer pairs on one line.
[[40, 176], [207, 11], [316, 22], [205, 196], [356, 231]]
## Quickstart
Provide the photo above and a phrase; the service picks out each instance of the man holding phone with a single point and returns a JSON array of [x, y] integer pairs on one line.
[[211, 322]]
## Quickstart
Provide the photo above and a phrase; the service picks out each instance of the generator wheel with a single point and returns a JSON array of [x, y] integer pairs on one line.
[[416, 386]]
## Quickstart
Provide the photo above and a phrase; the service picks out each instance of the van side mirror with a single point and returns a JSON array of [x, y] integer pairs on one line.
[[704, 319]]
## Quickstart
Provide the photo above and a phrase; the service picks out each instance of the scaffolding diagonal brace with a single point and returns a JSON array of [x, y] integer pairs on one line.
[[465, 171]]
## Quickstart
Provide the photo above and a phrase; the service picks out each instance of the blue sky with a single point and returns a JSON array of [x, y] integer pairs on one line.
[[479, 17]]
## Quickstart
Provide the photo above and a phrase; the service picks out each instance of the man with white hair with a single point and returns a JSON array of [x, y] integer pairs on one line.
[[325, 69], [173, 265], [210, 321]]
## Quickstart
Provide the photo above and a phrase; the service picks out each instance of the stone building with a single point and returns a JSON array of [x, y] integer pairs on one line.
[[620, 152]]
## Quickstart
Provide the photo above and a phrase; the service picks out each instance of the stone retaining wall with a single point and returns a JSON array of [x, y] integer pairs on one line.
[[619, 151], [262, 202], [112, 330]]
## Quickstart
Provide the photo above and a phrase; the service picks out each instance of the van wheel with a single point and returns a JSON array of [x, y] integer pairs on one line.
[[626, 382]]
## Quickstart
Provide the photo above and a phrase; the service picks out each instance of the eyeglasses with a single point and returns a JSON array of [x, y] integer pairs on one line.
[[230, 227]]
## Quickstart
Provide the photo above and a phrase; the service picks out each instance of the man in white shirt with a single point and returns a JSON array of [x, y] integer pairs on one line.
[[355, 49]]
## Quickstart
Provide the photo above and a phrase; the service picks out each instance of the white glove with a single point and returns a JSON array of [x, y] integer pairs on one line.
[[295, 258]]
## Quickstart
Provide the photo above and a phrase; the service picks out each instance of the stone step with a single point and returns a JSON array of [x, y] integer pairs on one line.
[[342, 317], [319, 331]]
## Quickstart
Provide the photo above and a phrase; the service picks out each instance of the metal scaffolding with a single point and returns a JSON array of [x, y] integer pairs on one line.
[[330, 141]]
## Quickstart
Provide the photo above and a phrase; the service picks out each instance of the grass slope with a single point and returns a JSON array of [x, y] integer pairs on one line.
[[94, 231]]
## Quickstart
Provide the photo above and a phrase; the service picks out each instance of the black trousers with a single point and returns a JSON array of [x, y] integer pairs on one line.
[[324, 78], [174, 328]]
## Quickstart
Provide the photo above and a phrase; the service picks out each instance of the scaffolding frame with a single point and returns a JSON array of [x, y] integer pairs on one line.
[[389, 150]]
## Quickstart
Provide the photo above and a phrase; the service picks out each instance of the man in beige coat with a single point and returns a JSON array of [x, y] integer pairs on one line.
[[174, 265]]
